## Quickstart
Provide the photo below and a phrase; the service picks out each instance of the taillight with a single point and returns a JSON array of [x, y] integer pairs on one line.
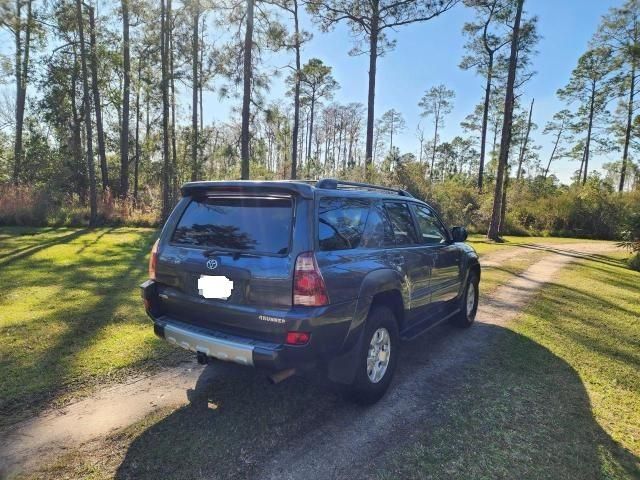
[[298, 338], [153, 261], [308, 285]]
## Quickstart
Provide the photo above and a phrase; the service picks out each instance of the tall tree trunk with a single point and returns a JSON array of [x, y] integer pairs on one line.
[[371, 96], [505, 141], [17, 146], [312, 113], [147, 124], [587, 148], [126, 92], [302, 144], [166, 206], [523, 150], [195, 174], [200, 66], [296, 96], [246, 94], [435, 143], [172, 78], [75, 139], [485, 121], [137, 158], [86, 95], [627, 133], [555, 148], [22, 73], [104, 172], [503, 207]]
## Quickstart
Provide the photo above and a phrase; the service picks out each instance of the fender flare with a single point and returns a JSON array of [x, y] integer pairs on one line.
[[342, 368], [470, 262]]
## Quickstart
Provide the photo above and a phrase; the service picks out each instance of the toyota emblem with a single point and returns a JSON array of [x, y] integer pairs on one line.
[[212, 264]]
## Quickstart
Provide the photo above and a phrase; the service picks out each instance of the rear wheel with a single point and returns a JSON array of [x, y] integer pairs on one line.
[[468, 303], [378, 357]]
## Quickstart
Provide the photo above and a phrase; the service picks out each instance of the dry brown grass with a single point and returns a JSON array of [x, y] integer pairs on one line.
[[28, 206]]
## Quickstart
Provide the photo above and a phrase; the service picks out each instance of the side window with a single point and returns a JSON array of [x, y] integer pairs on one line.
[[341, 222], [378, 232], [402, 223], [430, 228]]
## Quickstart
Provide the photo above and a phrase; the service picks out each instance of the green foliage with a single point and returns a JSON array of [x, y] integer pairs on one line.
[[630, 234], [534, 206]]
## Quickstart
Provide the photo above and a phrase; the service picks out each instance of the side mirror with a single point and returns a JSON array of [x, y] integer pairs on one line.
[[459, 234]]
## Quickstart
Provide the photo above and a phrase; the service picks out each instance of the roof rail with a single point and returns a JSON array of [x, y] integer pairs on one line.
[[333, 184]]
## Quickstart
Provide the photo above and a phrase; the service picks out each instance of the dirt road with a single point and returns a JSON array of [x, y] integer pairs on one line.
[[349, 435]]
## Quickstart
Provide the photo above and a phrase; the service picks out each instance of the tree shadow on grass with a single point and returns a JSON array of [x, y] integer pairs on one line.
[[568, 251], [32, 378], [24, 252], [516, 410], [494, 404]]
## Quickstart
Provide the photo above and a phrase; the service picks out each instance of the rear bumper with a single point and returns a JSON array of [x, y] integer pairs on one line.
[[220, 345], [329, 327]]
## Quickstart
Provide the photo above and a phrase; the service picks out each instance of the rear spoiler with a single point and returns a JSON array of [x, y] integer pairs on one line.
[[302, 189]]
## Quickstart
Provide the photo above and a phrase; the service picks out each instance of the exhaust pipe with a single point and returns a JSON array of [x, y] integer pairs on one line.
[[281, 376]]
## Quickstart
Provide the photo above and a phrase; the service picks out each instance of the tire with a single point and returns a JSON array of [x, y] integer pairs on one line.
[[371, 383], [467, 314]]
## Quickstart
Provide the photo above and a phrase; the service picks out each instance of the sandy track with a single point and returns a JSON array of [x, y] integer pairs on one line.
[[343, 439]]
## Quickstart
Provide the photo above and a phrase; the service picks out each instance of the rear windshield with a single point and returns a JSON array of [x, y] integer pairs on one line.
[[261, 225]]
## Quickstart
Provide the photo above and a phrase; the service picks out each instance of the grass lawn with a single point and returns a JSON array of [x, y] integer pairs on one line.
[[70, 313], [557, 396], [484, 246]]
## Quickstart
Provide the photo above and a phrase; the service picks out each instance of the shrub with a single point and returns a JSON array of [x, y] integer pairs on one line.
[[630, 233], [534, 206]]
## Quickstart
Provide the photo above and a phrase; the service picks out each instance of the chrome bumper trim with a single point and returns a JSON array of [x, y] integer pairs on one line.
[[211, 346]]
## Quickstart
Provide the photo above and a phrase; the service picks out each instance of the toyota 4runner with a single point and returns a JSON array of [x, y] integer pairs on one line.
[[292, 276]]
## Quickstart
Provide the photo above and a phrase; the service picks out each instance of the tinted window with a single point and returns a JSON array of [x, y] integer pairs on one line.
[[247, 224], [402, 223], [430, 228], [341, 222], [378, 232]]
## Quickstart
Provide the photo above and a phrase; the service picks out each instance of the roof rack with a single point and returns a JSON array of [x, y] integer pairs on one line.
[[299, 180], [333, 184]]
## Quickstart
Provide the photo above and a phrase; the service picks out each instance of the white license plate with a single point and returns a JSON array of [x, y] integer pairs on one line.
[[215, 286]]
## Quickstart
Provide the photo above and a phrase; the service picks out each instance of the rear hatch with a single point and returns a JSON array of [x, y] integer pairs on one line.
[[238, 245]]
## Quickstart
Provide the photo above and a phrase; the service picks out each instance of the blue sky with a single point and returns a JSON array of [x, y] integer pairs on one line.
[[428, 54]]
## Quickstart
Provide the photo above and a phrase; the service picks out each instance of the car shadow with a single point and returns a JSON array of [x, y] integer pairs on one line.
[[525, 410]]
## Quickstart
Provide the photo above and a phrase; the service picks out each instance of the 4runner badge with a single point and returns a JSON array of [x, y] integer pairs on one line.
[[212, 264], [267, 318]]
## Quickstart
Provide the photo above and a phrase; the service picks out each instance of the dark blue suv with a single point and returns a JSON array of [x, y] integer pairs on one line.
[[295, 277]]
